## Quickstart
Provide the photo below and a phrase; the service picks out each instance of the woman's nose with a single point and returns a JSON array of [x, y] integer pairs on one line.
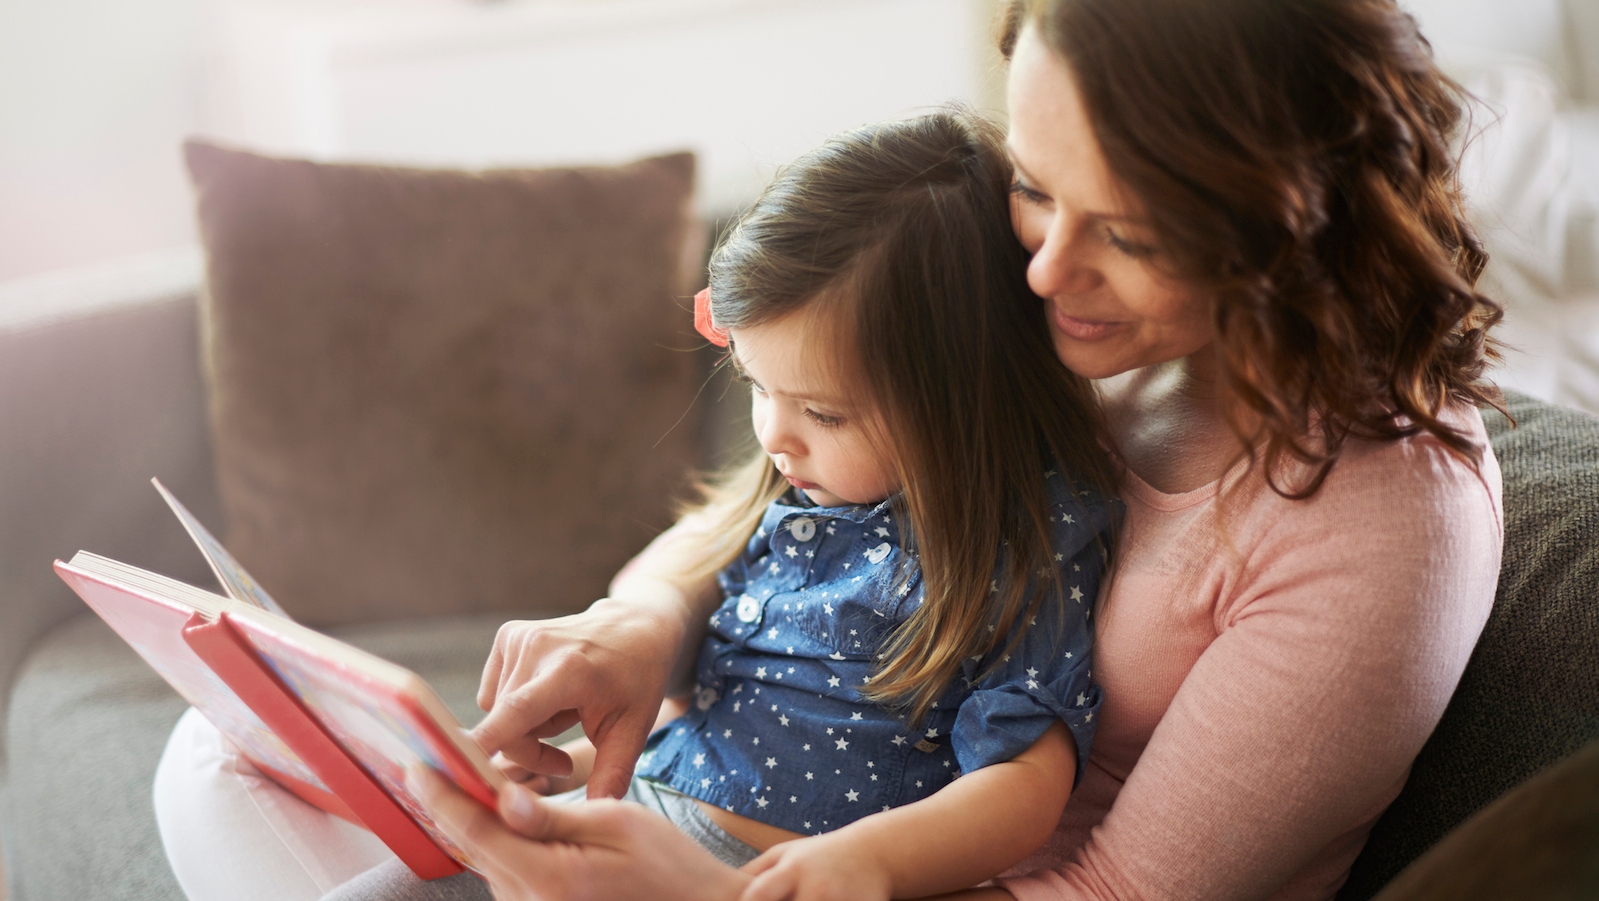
[[1059, 268]]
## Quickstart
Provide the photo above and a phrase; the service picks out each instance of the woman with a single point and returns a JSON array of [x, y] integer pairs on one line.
[[1243, 214]]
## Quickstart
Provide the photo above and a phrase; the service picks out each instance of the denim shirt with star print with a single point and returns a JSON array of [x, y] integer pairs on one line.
[[777, 729]]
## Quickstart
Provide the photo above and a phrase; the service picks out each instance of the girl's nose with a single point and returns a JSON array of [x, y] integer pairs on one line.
[[777, 435], [1059, 267]]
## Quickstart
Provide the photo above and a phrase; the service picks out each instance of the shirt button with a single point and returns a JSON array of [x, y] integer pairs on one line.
[[749, 609], [803, 528]]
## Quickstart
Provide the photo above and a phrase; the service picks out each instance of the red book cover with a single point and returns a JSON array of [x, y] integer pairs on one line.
[[386, 717], [152, 624], [233, 659], [333, 724]]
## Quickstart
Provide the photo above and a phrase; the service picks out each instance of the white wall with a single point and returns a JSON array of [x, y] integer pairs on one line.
[[94, 98], [746, 84], [96, 95]]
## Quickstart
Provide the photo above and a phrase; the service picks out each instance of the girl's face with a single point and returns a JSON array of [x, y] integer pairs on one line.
[[1111, 309], [811, 428]]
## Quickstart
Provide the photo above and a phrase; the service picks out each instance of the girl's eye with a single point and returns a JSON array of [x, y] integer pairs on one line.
[[1026, 193], [1131, 248], [824, 420]]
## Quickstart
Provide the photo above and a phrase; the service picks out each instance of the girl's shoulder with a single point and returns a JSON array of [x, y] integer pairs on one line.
[[1078, 510]]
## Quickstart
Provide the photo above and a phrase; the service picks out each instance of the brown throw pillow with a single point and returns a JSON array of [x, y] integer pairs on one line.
[[437, 392]]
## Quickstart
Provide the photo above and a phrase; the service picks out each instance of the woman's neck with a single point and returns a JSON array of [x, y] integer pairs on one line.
[[1167, 424]]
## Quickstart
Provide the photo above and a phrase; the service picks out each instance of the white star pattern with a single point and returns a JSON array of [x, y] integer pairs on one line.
[[702, 754]]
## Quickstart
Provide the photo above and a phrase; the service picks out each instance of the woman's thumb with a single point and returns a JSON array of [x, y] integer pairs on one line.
[[528, 814]]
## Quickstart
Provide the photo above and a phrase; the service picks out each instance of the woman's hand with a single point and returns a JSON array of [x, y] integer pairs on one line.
[[607, 668], [537, 851], [822, 868]]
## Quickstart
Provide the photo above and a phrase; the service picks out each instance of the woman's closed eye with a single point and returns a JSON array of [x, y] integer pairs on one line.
[[1028, 194], [1133, 249]]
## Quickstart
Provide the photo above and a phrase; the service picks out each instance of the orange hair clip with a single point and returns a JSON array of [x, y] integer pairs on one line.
[[702, 320]]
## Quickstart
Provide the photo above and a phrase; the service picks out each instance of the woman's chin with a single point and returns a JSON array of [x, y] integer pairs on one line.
[[1089, 359]]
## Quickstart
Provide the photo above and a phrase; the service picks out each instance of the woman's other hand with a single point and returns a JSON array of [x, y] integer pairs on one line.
[[537, 851]]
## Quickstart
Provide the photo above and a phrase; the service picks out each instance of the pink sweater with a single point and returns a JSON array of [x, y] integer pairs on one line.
[[1265, 696]]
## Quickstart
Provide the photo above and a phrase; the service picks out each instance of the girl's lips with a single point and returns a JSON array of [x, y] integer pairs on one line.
[[801, 483], [1081, 329]]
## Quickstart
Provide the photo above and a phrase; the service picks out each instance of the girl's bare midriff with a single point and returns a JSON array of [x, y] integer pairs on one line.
[[756, 834]]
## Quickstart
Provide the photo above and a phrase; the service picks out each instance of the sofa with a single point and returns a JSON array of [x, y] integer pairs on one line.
[[107, 383]]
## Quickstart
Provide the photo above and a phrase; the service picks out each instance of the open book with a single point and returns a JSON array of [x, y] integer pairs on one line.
[[333, 724]]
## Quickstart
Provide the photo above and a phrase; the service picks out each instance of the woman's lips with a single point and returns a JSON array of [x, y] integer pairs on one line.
[[1081, 329], [801, 483]]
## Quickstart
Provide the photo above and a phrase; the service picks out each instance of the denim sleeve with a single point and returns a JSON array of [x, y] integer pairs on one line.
[[1047, 676]]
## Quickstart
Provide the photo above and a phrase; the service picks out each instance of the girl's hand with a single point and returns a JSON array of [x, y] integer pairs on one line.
[[537, 851], [831, 867]]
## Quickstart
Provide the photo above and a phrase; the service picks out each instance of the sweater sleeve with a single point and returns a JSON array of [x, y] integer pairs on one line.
[[1348, 624]]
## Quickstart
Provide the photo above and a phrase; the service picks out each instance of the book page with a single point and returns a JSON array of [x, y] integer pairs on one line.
[[235, 581]]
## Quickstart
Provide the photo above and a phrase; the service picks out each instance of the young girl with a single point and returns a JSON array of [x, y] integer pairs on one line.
[[909, 561]]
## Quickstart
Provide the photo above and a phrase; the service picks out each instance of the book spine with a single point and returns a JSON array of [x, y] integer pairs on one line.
[[232, 658]]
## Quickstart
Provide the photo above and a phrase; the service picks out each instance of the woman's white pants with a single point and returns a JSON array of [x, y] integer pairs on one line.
[[232, 834]]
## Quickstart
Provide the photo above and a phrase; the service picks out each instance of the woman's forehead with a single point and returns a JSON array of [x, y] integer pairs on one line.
[[1051, 139]]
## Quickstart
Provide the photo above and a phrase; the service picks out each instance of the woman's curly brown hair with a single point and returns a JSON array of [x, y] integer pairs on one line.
[[1297, 162]]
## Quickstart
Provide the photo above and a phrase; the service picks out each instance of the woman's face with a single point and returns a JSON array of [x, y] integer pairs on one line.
[[1111, 309]]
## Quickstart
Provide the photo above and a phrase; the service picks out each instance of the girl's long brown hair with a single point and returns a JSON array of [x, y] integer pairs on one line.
[[1295, 160], [898, 236]]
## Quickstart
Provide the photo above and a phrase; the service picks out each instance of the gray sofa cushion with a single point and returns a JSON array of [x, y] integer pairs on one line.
[[88, 721], [1530, 694], [1537, 842]]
